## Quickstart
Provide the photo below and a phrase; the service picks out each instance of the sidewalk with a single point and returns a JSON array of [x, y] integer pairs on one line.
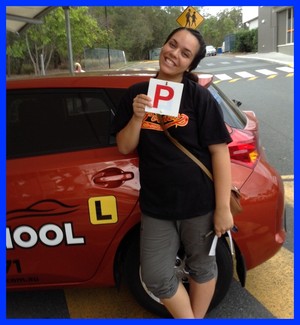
[[271, 56]]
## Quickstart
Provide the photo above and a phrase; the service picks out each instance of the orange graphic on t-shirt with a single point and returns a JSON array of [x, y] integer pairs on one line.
[[151, 121]]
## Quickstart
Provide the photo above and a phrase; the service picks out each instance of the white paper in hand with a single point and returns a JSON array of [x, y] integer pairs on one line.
[[213, 247], [212, 251], [166, 97]]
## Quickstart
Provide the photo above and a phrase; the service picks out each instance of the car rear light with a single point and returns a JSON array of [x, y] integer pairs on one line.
[[205, 79], [244, 149], [245, 153]]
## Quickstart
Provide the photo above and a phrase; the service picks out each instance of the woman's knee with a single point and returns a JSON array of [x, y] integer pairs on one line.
[[162, 287]]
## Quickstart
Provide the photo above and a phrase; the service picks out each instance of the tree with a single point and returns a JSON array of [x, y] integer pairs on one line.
[[15, 52], [210, 31], [133, 29], [42, 40], [215, 28], [136, 30]]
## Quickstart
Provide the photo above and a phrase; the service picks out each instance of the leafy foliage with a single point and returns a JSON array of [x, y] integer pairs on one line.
[[215, 28], [246, 41], [135, 30], [42, 41]]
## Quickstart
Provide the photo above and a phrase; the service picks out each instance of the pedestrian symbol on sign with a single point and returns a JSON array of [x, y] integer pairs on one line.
[[190, 18]]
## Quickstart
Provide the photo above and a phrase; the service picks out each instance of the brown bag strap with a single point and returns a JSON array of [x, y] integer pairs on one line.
[[183, 149]]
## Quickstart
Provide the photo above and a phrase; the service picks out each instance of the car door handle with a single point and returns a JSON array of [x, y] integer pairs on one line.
[[112, 177]]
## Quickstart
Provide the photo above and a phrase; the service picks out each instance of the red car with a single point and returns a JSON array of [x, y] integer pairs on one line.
[[72, 199]]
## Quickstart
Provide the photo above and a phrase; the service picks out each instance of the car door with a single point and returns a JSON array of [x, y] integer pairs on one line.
[[69, 190]]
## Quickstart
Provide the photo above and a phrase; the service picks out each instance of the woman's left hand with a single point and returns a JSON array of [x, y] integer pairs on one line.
[[223, 221]]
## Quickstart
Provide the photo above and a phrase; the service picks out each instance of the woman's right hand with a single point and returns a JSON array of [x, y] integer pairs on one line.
[[128, 137], [139, 104]]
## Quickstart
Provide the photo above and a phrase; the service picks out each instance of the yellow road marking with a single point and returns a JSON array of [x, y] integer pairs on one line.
[[104, 303], [272, 284], [234, 80], [287, 177], [288, 182], [252, 78]]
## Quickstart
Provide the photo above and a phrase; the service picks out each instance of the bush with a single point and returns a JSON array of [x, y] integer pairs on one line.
[[246, 40]]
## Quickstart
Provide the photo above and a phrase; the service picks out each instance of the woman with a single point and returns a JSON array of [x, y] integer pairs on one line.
[[78, 68], [179, 203]]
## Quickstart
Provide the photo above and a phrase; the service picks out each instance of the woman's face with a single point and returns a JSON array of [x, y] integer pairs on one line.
[[177, 55]]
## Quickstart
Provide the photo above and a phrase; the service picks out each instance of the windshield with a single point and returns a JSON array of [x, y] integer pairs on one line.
[[233, 116]]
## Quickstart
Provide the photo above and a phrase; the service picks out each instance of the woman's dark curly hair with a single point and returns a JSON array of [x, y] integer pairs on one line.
[[202, 50]]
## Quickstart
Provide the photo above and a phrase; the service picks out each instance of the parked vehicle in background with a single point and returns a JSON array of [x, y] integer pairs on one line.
[[73, 214], [211, 50]]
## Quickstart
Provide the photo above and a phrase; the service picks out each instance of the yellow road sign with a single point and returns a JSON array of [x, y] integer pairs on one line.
[[190, 18]]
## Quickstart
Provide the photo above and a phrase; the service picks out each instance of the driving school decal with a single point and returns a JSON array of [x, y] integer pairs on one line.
[[102, 210], [49, 234]]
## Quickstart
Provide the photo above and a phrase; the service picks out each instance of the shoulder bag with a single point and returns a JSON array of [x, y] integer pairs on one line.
[[235, 197]]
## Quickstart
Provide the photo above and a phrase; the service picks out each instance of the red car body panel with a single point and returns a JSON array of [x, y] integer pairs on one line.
[[50, 182], [57, 233]]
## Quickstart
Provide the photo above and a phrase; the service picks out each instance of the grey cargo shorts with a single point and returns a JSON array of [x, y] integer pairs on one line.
[[160, 242]]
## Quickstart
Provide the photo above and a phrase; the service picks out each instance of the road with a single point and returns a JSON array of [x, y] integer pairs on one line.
[[269, 288], [258, 85]]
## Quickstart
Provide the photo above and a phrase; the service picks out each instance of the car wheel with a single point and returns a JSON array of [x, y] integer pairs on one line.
[[153, 304]]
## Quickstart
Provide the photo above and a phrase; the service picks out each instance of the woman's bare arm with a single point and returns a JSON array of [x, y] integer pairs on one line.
[[223, 219], [128, 137]]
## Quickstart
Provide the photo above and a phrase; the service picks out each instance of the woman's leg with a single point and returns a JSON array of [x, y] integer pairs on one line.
[[179, 305], [202, 267], [201, 295], [159, 246]]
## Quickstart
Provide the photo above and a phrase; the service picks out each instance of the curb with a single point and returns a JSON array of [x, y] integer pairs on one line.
[[291, 63]]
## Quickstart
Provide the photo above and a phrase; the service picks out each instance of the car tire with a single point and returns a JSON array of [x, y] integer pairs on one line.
[[152, 303]]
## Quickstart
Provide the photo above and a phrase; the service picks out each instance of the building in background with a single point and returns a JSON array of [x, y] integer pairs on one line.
[[250, 16], [275, 27]]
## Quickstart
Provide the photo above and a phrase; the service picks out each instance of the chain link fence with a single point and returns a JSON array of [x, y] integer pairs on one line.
[[101, 58]]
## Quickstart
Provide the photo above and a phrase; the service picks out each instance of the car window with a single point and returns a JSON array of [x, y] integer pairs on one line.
[[233, 116], [52, 121]]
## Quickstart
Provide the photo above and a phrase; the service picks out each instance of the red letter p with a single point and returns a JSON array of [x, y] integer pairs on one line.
[[158, 95]]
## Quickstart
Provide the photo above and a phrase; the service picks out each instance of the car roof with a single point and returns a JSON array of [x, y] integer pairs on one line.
[[78, 81], [111, 79]]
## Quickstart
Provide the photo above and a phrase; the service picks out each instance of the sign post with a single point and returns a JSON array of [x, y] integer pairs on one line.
[[190, 18]]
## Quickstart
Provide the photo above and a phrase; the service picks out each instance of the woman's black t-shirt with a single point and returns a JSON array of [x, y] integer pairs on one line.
[[173, 187]]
